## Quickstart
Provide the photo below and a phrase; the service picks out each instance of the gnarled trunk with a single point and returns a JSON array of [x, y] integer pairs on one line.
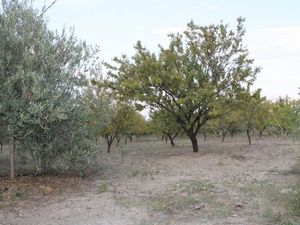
[[171, 138], [172, 142], [193, 138], [109, 140]]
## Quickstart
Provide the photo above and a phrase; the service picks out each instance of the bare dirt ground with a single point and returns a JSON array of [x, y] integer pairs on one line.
[[152, 183]]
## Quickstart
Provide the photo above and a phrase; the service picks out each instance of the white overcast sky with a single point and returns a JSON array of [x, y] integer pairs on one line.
[[273, 30]]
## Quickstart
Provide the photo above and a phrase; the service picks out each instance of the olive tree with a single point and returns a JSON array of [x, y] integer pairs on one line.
[[42, 74]]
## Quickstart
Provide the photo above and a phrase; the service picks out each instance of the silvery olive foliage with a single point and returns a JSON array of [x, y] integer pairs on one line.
[[42, 79]]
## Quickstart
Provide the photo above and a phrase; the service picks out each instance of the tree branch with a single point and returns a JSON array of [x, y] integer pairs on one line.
[[47, 8]]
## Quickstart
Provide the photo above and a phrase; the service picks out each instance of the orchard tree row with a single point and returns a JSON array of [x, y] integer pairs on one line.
[[55, 104], [249, 114], [200, 82], [111, 118]]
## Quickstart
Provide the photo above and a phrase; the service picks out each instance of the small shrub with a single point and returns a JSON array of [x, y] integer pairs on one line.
[[18, 195]]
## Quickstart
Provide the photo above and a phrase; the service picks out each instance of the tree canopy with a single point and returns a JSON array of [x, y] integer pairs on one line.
[[198, 70], [42, 75]]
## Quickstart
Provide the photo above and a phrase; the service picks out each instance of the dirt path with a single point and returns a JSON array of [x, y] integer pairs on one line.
[[226, 183]]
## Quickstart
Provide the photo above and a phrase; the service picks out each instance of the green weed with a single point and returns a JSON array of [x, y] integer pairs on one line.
[[18, 195], [192, 186], [102, 188], [293, 201]]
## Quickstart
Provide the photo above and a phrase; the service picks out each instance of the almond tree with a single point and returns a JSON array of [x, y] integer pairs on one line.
[[161, 122], [249, 105], [195, 72], [134, 124], [285, 116]]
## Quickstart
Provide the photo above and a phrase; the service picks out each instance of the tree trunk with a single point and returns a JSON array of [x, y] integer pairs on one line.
[[231, 134], [249, 136], [171, 140], [12, 148], [108, 147], [194, 143], [193, 139], [109, 141], [118, 141], [223, 135], [285, 134], [23, 160], [130, 137], [204, 136], [261, 132]]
